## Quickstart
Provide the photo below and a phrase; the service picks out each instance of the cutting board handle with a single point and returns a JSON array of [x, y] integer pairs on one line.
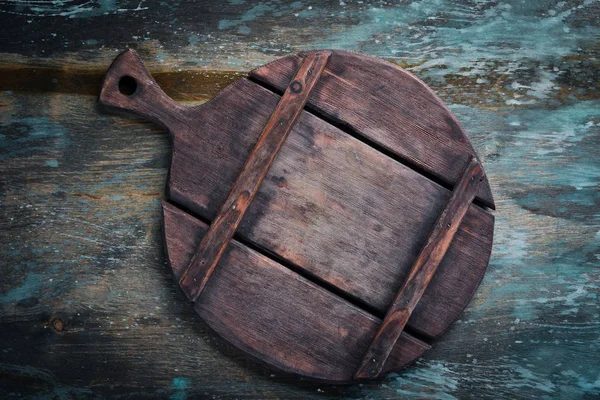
[[128, 86]]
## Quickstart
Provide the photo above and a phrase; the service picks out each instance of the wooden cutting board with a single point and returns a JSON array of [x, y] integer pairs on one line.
[[327, 215]]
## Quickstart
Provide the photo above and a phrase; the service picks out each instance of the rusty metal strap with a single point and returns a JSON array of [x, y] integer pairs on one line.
[[421, 273], [198, 272]]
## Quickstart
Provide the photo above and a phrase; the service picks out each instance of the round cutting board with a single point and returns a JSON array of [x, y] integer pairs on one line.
[[327, 214]]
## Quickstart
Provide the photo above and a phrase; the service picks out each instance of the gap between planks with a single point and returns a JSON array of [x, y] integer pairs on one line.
[[370, 143], [256, 168], [349, 298]]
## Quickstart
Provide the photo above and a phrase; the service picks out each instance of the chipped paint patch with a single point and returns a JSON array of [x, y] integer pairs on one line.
[[29, 287], [180, 385]]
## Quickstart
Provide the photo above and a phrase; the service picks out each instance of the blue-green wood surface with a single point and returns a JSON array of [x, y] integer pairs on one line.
[[88, 308]]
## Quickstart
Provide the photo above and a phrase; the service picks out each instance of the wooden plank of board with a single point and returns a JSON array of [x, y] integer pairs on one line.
[[388, 106], [422, 272], [274, 314], [111, 265], [253, 173]]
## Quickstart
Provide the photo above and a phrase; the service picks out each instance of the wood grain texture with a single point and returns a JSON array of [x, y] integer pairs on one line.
[[241, 194], [293, 231], [195, 276], [421, 273], [308, 211], [80, 211], [260, 306], [320, 195], [389, 107]]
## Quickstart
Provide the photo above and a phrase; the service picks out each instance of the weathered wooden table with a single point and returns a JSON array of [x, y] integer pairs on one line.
[[88, 308]]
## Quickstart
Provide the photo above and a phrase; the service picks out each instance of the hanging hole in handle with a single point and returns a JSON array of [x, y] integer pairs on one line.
[[127, 85]]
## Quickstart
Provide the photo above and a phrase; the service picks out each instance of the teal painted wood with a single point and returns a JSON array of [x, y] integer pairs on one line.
[[79, 196]]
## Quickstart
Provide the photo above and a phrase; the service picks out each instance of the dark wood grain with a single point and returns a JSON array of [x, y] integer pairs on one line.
[[290, 218], [421, 272], [80, 212], [93, 224], [275, 315], [335, 180], [388, 106], [255, 169], [326, 193]]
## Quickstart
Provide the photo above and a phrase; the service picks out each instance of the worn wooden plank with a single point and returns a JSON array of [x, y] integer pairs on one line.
[[253, 173], [388, 106], [421, 273], [259, 305], [521, 77], [86, 185], [328, 243]]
